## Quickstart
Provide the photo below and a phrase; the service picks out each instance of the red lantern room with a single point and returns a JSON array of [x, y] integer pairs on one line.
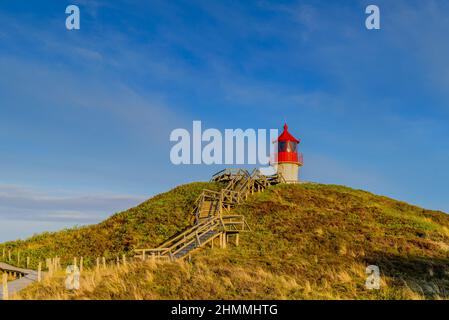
[[288, 160]]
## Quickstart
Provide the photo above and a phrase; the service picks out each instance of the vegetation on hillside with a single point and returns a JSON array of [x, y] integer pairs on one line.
[[147, 224], [308, 241]]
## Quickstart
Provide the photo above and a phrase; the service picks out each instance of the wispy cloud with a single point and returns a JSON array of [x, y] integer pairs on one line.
[[24, 203]]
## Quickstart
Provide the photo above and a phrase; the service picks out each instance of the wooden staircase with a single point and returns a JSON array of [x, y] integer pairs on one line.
[[211, 215]]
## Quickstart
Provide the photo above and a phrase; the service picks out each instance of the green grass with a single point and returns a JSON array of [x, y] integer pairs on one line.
[[147, 224], [308, 241]]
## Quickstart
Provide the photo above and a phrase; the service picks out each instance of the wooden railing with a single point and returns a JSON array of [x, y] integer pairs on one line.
[[211, 214]]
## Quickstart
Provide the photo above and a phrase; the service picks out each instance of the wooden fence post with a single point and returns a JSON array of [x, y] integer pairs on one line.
[[124, 260], [58, 263], [50, 267], [81, 264], [104, 262], [39, 272], [9, 255], [98, 264], [5, 287]]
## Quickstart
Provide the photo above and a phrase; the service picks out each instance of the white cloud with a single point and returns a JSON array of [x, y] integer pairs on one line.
[[14, 229], [24, 203]]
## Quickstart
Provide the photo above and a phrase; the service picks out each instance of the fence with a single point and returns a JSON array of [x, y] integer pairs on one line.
[[14, 278]]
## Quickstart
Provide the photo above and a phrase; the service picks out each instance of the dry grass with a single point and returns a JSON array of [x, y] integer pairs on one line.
[[309, 241]]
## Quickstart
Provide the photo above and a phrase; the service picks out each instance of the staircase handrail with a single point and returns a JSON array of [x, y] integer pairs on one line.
[[196, 238], [189, 234]]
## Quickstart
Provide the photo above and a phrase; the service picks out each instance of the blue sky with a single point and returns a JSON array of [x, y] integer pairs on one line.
[[85, 116]]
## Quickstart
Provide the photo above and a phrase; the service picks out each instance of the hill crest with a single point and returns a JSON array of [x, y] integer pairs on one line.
[[308, 241]]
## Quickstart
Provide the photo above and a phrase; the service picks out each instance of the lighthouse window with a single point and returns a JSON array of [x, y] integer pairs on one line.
[[282, 146], [291, 146], [287, 146]]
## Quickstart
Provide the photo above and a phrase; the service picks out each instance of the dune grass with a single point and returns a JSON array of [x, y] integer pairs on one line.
[[308, 241], [147, 224]]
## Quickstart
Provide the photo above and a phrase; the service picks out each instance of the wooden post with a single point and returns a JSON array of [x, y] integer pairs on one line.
[[225, 236], [75, 263], [5, 287], [236, 239], [98, 264], [9, 255], [39, 272], [28, 262], [124, 259], [104, 263], [81, 264], [143, 255], [18, 258], [50, 267]]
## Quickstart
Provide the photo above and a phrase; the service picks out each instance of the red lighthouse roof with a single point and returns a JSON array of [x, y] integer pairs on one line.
[[286, 136]]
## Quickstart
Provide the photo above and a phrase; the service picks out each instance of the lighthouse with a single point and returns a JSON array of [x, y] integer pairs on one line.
[[288, 160]]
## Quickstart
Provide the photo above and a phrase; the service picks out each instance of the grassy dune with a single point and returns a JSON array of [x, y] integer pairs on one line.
[[147, 224], [309, 241]]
